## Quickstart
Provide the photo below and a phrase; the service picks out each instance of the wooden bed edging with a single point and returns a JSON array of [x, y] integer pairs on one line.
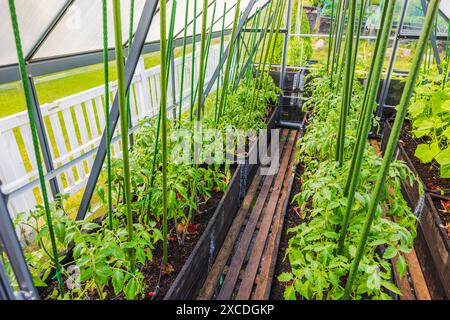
[[196, 268], [432, 244]]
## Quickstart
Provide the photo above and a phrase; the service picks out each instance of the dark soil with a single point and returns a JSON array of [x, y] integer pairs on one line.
[[178, 253], [443, 214], [428, 173], [292, 219]]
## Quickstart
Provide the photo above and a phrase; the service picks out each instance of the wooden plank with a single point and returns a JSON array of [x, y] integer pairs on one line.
[[402, 283], [438, 249], [418, 279], [238, 259], [281, 184], [210, 284], [265, 277]]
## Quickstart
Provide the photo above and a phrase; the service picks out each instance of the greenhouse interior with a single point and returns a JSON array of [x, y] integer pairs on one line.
[[224, 150]]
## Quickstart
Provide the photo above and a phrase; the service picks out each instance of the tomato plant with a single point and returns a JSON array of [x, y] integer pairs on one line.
[[429, 112]]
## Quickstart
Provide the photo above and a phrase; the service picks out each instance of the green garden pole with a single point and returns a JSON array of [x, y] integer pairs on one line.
[[230, 57], [366, 121], [163, 36], [121, 92], [255, 27], [339, 36], [346, 95], [335, 40], [158, 126], [250, 37], [183, 61], [278, 25], [367, 86], [447, 56], [330, 37], [208, 46], [37, 152], [393, 140], [194, 38], [265, 53], [201, 79], [358, 37], [107, 103], [220, 62]]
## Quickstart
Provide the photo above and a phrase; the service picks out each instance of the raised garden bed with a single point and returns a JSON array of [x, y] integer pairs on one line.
[[191, 277], [433, 242]]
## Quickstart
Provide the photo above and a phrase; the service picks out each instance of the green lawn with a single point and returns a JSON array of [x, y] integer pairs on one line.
[[66, 83]]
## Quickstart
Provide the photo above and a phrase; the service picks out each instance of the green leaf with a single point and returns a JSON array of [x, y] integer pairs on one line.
[[289, 293], [446, 133], [443, 157], [38, 282], [391, 287], [60, 231], [401, 266], [427, 152], [131, 290], [445, 171], [285, 277], [90, 226], [374, 281], [118, 281], [103, 271], [390, 253]]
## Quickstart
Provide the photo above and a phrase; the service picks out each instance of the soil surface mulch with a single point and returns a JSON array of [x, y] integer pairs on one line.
[[429, 173]]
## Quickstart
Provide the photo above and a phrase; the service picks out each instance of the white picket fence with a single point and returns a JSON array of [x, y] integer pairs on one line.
[[74, 126]]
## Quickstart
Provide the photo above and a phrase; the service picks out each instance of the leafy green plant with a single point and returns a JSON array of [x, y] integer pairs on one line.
[[318, 270], [429, 113]]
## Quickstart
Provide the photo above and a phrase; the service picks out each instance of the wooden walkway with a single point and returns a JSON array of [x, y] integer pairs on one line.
[[245, 264]]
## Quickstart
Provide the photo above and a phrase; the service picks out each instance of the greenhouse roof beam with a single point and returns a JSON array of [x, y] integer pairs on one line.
[[48, 30]]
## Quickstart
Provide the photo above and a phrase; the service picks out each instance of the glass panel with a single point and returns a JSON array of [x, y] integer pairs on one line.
[[81, 29], [34, 17]]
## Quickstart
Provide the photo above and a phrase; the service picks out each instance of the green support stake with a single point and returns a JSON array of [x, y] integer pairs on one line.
[[194, 39], [278, 26], [366, 121], [347, 90], [230, 57], [222, 37], [123, 123], [365, 104], [330, 36], [158, 126], [37, 152], [107, 103], [263, 56], [201, 73], [164, 126], [393, 141], [183, 64]]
